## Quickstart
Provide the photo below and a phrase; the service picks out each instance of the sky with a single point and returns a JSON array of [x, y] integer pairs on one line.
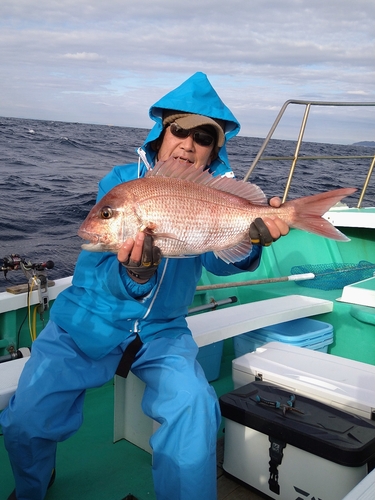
[[107, 62]]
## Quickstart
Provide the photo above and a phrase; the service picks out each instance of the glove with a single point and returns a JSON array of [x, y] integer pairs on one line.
[[259, 233], [146, 268]]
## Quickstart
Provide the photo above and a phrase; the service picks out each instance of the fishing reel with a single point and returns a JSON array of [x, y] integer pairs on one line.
[[36, 273], [13, 262]]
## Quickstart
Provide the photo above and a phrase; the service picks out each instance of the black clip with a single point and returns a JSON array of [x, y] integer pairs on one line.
[[276, 456]]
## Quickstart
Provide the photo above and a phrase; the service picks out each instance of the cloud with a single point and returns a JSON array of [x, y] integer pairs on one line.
[[84, 56], [62, 58]]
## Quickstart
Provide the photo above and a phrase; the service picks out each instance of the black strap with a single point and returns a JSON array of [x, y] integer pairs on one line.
[[128, 357], [259, 233], [276, 456]]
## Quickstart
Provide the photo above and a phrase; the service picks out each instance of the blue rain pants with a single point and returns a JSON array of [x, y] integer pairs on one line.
[[47, 408]]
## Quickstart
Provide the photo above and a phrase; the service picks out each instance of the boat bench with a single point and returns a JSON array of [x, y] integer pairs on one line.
[[10, 372], [132, 424], [129, 421]]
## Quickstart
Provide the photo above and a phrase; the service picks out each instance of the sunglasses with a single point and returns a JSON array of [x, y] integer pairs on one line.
[[199, 136]]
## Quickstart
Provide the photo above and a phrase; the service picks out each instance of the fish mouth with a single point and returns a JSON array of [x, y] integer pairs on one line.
[[93, 241], [97, 247], [91, 237], [92, 247]]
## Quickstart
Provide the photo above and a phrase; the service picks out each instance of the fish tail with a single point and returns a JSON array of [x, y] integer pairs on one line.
[[308, 213]]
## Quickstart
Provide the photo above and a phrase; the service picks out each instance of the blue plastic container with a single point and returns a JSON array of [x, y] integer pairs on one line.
[[209, 357], [305, 332]]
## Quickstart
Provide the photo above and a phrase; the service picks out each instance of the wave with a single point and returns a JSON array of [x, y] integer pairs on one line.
[[49, 180]]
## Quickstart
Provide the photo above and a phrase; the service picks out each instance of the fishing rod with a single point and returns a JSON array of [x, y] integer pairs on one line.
[[323, 276], [22, 352], [213, 304], [293, 277]]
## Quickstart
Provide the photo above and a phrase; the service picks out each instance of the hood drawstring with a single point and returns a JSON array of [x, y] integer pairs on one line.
[[142, 156]]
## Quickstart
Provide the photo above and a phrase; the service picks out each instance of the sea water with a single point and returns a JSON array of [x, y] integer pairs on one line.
[[49, 172]]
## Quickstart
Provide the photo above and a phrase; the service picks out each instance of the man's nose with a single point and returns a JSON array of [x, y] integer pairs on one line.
[[188, 143]]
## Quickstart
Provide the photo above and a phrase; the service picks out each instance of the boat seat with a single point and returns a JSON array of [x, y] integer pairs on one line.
[[131, 424], [364, 314], [9, 374]]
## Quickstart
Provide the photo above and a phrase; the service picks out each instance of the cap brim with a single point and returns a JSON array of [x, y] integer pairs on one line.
[[190, 121]]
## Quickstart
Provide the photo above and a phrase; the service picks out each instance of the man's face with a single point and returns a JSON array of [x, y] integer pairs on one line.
[[186, 149]]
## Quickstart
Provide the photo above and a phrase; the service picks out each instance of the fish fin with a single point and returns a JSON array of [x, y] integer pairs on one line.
[[169, 236], [308, 213], [150, 228], [246, 190], [183, 256], [173, 168], [236, 253]]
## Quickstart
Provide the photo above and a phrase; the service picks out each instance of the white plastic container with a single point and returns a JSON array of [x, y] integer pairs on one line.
[[339, 382]]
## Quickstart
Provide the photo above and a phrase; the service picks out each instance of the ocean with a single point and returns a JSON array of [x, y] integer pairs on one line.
[[50, 171]]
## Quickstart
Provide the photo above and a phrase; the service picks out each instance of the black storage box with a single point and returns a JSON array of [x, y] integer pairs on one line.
[[290, 446]]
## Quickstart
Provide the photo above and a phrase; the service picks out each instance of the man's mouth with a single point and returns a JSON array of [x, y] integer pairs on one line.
[[183, 160]]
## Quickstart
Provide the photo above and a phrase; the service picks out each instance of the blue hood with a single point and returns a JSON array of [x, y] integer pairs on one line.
[[195, 95]]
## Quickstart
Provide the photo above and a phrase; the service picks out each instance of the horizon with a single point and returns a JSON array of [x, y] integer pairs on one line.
[[357, 143]]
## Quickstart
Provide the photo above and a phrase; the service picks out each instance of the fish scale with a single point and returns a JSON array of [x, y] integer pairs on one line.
[[201, 215]]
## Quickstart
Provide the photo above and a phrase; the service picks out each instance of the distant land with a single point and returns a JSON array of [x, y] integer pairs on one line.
[[370, 144]]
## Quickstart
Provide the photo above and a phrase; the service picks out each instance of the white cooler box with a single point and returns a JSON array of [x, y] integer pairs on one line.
[[335, 381], [289, 447], [364, 490]]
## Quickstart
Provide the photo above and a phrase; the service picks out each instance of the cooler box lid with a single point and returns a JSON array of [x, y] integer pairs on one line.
[[334, 380], [311, 426]]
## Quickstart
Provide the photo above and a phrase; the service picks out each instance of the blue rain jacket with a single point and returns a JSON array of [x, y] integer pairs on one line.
[[104, 306]]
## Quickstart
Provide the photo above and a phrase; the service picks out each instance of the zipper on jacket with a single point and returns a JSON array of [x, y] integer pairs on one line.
[[157, 290], [135, 327]]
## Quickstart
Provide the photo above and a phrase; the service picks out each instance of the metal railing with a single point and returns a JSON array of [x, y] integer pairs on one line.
[[294, 159]]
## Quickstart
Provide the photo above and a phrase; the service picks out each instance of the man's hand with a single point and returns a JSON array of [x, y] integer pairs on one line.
[[268, 229], [140, 257]]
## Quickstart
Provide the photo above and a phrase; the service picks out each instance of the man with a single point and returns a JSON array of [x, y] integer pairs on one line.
[[135, 303]]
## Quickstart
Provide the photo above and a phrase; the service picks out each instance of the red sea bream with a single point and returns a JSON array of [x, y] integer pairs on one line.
[[189, 212]]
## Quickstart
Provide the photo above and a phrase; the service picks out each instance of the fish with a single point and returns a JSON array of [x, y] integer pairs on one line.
[[189, 212]]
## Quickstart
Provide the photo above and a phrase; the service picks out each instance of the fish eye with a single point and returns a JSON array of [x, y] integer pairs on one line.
[[106, 213]]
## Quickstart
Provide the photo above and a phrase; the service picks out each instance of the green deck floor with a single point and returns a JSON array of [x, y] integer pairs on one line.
[[91, 466]]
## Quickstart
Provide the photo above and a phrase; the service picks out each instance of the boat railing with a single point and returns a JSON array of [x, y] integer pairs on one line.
[[296, 156]]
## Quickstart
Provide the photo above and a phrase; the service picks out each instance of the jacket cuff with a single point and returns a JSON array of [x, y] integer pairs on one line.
[[252, 262], [134, 289]]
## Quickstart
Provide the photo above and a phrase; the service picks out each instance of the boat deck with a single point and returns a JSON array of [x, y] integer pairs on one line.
[[229, 489], [91, 466]]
